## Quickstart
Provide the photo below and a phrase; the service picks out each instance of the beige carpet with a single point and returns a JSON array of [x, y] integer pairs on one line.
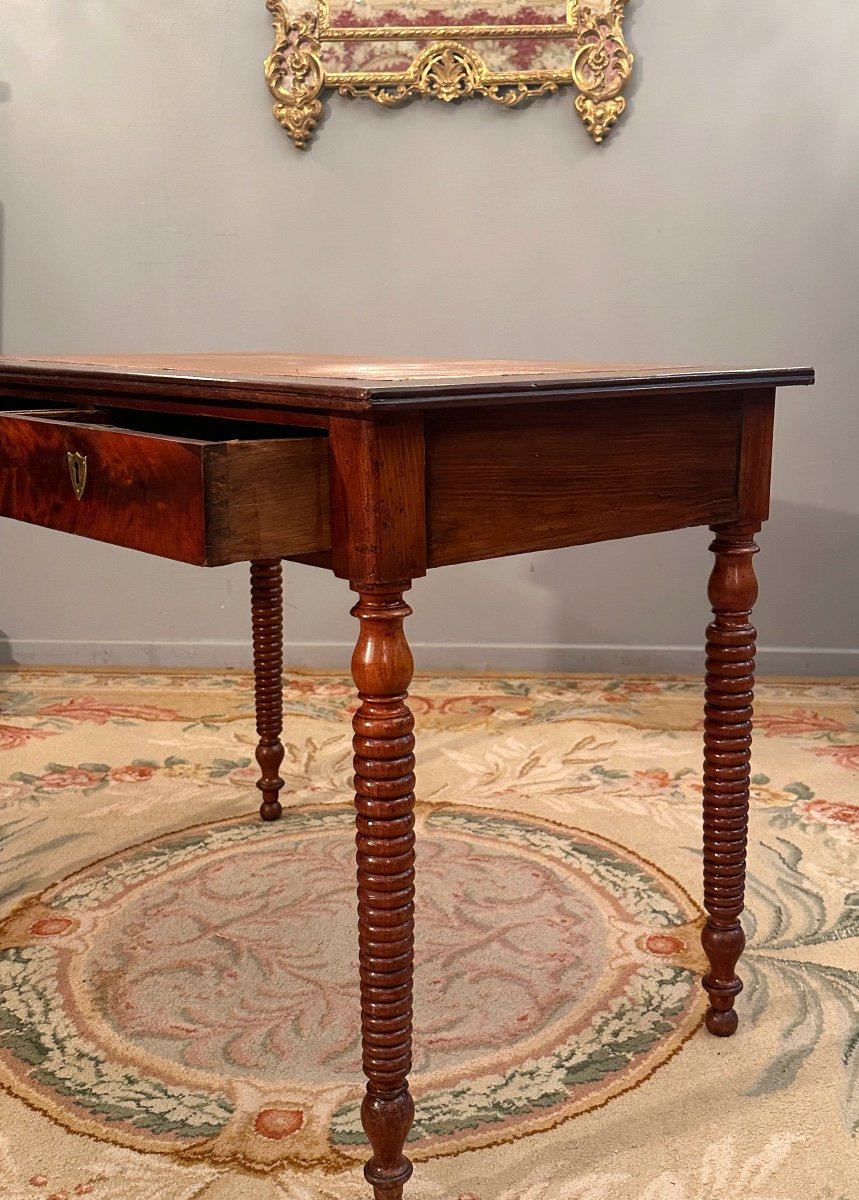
[[178, 1012]]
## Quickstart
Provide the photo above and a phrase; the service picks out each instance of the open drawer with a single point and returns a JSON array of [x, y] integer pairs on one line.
[[198, 489]]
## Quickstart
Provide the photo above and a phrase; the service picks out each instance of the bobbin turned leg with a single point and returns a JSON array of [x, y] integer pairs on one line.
[[729, 694], [267, 619], [384, 785]]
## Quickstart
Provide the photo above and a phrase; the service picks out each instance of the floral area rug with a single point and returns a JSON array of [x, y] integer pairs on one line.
[[178, 1000]]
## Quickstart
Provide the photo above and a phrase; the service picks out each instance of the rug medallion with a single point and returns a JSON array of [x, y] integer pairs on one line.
[[197, 995], [178, 1002]]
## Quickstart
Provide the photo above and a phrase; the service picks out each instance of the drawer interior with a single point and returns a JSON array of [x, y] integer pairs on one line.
[[172, 425]]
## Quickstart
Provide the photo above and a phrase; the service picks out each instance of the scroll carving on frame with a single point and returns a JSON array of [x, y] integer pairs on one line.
[[392, 51]]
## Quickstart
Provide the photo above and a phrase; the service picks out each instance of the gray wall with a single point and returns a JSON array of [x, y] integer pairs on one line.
[[152, 203]]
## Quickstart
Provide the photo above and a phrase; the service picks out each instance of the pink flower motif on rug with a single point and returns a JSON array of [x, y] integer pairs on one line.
[[201, 990], [70, 777], [278, 1123], [11, 736], [51, 926], [840, 815], [801, 720], [845, 756], [132, 774], [87, 708], [10, 792], [666, 944], [653, 779]]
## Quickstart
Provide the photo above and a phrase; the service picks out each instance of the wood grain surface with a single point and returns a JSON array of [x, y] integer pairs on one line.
[[756, 455], [729, 699], [378, 497], [134, 494], [340, 384], [561, 475], [183, 498], [384, 765], [416, 464], [266, 499], [267, 627]]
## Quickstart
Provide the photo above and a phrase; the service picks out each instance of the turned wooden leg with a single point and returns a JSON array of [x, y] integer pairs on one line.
[[384, 785], [729, 694], [267, 617]]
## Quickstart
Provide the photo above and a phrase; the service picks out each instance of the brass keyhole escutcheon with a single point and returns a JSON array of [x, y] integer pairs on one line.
[[77, 471]]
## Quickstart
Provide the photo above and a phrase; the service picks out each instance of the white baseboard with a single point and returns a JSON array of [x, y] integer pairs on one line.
[[429, 656]]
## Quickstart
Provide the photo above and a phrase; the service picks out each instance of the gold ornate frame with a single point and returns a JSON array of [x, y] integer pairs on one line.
[[448, 67]]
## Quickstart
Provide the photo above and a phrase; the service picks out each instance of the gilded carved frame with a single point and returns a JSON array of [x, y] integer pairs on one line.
[[580, 43]]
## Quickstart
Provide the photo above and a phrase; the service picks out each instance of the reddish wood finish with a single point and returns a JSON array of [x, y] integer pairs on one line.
[[132, 497], [729, 696], [42, 397], [378, 498], [267, 621], [155, 486], [426, 464], [384, 798], [337, 384], [753, 484], [562, 474], [266, 499]]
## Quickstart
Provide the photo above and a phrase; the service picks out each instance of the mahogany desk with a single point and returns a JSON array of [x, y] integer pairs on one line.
[[377, 472]]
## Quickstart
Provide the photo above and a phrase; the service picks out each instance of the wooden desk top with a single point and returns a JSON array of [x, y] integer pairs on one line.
[[341, 384]]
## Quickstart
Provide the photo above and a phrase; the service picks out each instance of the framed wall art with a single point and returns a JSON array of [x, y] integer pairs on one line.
[[392, 51]]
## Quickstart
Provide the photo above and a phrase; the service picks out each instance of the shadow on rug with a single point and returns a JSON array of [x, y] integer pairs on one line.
[[178, 1000]]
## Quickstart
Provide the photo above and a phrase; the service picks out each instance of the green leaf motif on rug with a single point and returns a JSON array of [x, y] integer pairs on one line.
[[630, 1026], [35, 1031]]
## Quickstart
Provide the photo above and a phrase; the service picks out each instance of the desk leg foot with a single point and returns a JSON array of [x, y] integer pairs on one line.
[[267, 619], [384, 786], [729, 695]]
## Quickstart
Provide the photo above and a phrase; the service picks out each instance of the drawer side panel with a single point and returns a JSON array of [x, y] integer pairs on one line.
[[267, 500], [503, 481]]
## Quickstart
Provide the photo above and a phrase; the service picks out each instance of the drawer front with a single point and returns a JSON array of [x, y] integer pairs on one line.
[[202, 502]]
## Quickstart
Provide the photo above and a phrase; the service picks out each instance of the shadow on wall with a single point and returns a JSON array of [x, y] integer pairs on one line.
[[589, 589], [1, 262], [591, 625], [7, 658], [801, 546], [5, 95]]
